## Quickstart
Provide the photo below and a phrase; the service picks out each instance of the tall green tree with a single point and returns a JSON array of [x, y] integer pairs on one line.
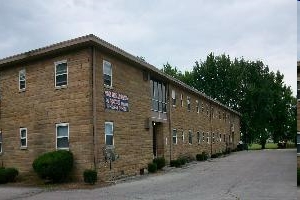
[[265, 102]]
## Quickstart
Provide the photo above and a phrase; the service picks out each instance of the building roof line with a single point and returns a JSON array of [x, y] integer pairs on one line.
[[94, 40]]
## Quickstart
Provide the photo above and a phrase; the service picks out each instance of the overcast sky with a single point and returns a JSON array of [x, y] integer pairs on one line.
[[178, 32]]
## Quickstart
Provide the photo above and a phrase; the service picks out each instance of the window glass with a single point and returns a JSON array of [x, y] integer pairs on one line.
[[61, 74], [107, 73], [174, 136], [22, 79], [62, 136], [109, 133]]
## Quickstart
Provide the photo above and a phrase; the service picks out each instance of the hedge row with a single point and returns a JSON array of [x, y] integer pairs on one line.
[[8, 175]]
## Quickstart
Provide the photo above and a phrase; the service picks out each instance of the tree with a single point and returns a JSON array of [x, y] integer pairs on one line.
[[265, 102]]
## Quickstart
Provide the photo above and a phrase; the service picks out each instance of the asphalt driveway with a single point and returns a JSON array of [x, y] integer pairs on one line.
[[248, 175]]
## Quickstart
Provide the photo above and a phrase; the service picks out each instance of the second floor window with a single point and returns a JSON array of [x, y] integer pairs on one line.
[[61, 74], [173, 98], [188, 100], [197, 106], [158, 95], [22, 79], [107, 73]]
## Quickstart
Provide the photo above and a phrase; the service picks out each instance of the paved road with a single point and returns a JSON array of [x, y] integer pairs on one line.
[[252, 175]]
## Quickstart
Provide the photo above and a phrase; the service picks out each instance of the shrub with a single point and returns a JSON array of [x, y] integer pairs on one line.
[[214, 156], [90, 176], [8, 175], [11, 174], [54, 166], [182, 160], [152, 167], [160, 162], [199, 157], [298, 176], [175, 163], [205, 155]]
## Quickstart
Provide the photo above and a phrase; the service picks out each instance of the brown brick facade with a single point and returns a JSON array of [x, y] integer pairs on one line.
[[81, 104]]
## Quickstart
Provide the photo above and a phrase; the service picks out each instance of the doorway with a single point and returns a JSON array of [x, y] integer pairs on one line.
[[158, 141]]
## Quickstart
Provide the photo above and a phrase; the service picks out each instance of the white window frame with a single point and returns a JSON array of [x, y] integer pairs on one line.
[[190, 137], [207, 138], [111, 77], [182, 136], [113, 138], [22, 138], [174, 131], [67, 73], [188, 102], [22, 71], [63, 124], [197, 106], [181, 100], [173, 98]]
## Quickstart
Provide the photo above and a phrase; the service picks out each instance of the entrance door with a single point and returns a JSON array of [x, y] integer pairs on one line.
[[158, 139]]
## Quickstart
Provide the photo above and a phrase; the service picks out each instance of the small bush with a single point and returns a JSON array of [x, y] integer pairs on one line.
[[11, 174], [152, 167], [54, 166], [90, 176], [182, 160], [205, 155], [160, 162], [199, 157], [214, 156], [175, 163], [8, 175]]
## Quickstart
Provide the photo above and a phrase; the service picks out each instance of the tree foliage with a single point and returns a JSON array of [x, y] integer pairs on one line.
[[267, 105]]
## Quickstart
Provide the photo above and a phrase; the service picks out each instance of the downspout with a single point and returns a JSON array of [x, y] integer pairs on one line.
[[94, 107], [170, 130]]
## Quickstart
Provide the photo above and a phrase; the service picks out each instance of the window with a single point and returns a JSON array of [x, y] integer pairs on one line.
[[298, 90], [173, 98], [298, 143], [188, 101], [61, 73], [207, 111], [174, 136], [181, 100], [197, 106], [23, 137], [107, 73], [207, 138], [22, 79], [0, 141], [203, 137], [213, 138], [109, 133], [198, 137], [62, 136], [158, 94], [182, 136], [220, 137], [190, 137]]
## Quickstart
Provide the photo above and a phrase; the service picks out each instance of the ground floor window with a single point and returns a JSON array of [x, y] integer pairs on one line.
[[62, 136], [23, 137], [198, 137], [182, 136], [109, 133], [174, 136], [207, 138]]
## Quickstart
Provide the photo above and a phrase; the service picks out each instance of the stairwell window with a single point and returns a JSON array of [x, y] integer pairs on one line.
[[190, 137], [23, 137], [109, 133], [61, 73], [22, 80], [188, 100], [173, 98], [107, 73], [174, 136], [158, 95], [62, 136]]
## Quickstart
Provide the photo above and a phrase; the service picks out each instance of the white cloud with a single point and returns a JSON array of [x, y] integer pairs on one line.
[[178, 32]]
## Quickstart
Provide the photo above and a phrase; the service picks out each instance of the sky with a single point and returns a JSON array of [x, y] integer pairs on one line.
[[177, 32]]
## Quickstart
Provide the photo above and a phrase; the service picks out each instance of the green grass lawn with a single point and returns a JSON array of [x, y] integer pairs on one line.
[[258, 146]]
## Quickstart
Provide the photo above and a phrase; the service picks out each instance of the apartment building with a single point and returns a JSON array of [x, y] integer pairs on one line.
[[104, 104]]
